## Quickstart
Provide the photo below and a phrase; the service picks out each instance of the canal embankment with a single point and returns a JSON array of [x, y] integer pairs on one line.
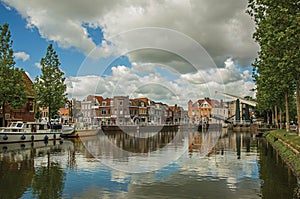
[[288, 146]]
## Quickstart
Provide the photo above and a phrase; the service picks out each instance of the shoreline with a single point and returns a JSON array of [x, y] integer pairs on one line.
[[288, 150]]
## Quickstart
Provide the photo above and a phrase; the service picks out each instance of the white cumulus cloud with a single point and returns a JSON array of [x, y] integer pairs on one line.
[[158, 85], [223, 29], [21, 56], [178, 49], [38, 65]]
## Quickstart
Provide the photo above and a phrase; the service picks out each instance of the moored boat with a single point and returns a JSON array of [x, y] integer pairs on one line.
[[81, 133], [32, 131]]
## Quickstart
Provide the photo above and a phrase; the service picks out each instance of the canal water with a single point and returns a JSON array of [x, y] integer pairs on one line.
[[183, 164]]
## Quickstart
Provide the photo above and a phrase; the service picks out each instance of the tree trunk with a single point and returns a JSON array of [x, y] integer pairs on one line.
[[276, 117], [298, 104], [3, 114], [49, 115], [280, 112], [287, 112], [273, 114]]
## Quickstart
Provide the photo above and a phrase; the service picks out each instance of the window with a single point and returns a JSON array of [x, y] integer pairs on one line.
[[121, 112], [103, 112], [121, 102], [104, 103], [31, 107]]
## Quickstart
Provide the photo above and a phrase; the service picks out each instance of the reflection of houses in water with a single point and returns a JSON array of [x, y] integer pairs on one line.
[[203, 142], [236, 142], [120, 143], [137, 152], [231, 160]]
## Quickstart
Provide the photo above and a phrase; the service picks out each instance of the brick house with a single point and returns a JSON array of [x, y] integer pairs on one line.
[[103, 113], [27, 113], [120, 113], [201, 109]]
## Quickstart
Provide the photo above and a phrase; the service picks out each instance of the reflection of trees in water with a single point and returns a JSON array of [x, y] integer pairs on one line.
[[48, 181], [18, 173], [281, 185], [15, 177], [235, 141], [135, 144]]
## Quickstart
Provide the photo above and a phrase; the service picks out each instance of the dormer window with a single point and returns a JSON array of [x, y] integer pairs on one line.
[[104, 103]]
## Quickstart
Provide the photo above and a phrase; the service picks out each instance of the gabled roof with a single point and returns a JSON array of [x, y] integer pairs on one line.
[[211, 102], [28, 84], [64, 111], [172, 108], [133, 102], [139, 100], [99, 99], [144, 99]]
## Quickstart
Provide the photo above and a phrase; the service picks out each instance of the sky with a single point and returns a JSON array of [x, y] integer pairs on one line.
[[171, 51]]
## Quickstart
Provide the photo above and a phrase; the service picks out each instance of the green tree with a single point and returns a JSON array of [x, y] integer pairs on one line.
[[50, 87], [12, 90], [277, 67]]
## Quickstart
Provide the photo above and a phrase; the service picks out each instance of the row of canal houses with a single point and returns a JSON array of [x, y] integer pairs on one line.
[[121, 110]]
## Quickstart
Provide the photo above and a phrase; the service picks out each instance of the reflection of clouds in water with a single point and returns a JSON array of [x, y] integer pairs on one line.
[[134, 153], [138, 154], [222, 161]]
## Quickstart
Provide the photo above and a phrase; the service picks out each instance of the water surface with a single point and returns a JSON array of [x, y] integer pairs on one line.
[[184, 164]]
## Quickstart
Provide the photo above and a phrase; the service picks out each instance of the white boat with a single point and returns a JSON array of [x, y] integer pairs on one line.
[[33, 131]]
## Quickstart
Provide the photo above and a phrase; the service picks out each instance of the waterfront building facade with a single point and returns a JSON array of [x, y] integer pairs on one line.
[[120, 114], [208, 110], [27, 112]]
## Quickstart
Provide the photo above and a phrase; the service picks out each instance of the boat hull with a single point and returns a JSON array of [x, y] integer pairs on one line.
[[12, 137], [81, 133]]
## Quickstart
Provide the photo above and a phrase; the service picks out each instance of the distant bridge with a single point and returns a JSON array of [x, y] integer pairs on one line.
[[222, 118], [242, 100], [239, 100]]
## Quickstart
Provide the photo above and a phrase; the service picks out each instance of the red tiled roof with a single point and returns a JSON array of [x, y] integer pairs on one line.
[[172, 108], [100, 99], [133, 102], [144, 99], [64, 111]]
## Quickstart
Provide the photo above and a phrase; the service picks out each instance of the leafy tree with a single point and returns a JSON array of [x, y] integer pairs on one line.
[[277, 68], [12, 90], [50, 87]]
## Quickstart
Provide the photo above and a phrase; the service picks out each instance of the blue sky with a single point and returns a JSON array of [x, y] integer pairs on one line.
[[29, 41], [117, 47]]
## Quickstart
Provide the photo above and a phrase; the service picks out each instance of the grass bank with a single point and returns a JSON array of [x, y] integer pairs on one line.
[[288, 146]]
